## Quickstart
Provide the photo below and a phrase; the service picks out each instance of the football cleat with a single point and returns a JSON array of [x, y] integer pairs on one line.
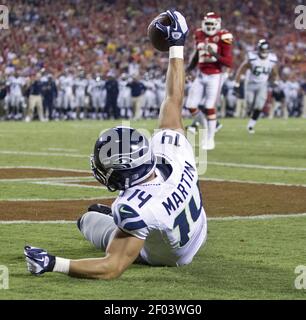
[[208, 145], [79, 223], [251, 130], [219, 126], [191, 129], [96, 207], [100, 208]]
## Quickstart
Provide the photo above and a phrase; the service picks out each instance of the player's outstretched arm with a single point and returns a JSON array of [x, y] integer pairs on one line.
[[275, 75], [242, 70], [170, 116], [121, 252]]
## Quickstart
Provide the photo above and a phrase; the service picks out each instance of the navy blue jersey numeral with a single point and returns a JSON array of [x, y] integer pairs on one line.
[[182, 223], [181, 220], [171, 139], [142, 196]]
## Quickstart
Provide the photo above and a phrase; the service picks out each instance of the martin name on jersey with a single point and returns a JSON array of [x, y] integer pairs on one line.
[[158, 210], [260, 68], [221, 43]]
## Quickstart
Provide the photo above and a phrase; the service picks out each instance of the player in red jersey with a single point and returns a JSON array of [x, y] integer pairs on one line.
[[213, 56]]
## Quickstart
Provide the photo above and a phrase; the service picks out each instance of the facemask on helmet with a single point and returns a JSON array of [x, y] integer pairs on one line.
[[211, 24], [263, 48], [122, 158]]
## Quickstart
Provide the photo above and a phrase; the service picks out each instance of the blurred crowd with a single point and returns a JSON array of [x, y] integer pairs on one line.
[[55, 52]]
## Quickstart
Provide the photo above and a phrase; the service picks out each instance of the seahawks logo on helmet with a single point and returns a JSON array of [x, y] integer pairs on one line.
[[122, 158], [263, 48]]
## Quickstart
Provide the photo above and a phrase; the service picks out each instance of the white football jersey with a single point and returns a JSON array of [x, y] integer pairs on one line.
[[15, 84], [229, 84], [290, 88], [260, 68], [96, 86], [150, 85], [123, 85], [166, 212], [295, 87], [160, 84], [66, 83], [124, 90], [160, 90], [80, 86]]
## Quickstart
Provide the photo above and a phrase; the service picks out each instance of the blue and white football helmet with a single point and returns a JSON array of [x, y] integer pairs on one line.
[[122, 158], [263, 48]]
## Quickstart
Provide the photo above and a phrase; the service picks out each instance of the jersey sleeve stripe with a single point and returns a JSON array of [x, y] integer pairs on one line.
[[116, 219], [137, 235], [130, 226], [227, 36], [128, 215]]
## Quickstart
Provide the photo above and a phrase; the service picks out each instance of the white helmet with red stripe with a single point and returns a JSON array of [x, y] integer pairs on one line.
[[211, 23]]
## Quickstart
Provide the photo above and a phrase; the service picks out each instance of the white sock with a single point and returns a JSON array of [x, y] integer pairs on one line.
[[252, 123], [211, 128]]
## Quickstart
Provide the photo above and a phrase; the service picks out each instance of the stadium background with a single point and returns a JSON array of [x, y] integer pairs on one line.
[[108, 38], [253, 189]]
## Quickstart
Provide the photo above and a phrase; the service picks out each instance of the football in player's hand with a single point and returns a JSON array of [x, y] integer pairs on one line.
[[156, 36]]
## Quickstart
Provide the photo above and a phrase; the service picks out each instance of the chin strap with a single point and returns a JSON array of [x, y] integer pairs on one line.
[[108, 175], [127, 183]]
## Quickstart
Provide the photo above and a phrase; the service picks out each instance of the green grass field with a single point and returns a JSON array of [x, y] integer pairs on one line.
[[242, 259]]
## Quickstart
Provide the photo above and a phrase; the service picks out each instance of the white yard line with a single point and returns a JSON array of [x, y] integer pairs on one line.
[[54, 179], [37, 222], [65, 199], [45, 168], [258, 217], [61, 149], [90, 178], [253, 182], [216, 163], [278, 143], [59, 184], [44, 154], [253, 166]]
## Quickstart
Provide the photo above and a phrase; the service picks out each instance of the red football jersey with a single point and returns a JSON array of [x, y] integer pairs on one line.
[[221, 43]]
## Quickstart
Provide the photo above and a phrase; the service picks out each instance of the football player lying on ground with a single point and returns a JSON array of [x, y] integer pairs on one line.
[[158, 218]]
